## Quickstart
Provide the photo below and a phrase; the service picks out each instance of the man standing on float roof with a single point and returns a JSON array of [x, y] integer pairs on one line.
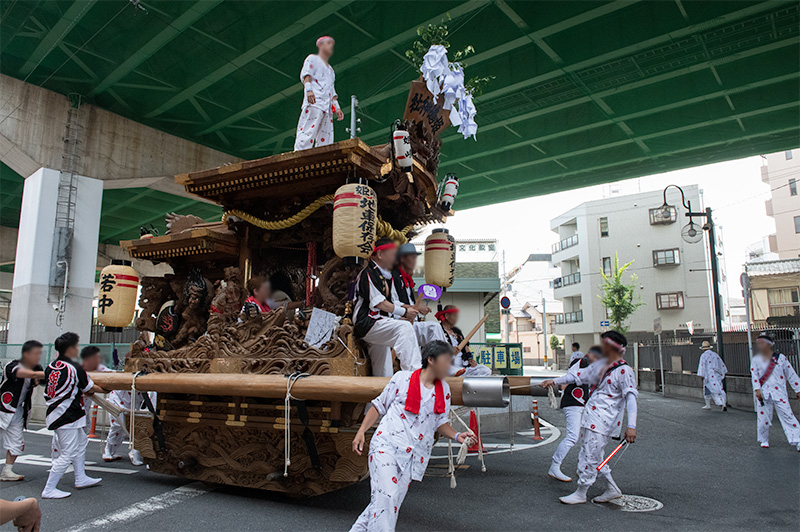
[[320, 101]]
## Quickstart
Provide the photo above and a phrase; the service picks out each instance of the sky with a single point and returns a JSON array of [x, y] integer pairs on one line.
[[733, 190]]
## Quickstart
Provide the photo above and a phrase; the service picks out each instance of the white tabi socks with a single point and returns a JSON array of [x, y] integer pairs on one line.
[[612, 491], [576, 497], [81, 479], [555, 472], [708, 402], [50, 489], [136, 457], [9, 475]]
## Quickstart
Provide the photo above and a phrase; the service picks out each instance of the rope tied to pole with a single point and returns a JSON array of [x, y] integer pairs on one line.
[[287, 427], [276, 225]]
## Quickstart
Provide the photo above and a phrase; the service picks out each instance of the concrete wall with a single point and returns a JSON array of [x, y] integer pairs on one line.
[[690, 386], [113, 148]]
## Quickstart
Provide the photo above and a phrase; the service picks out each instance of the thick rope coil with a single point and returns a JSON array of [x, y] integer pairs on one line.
[[384, 229], [131, 424], [280, 224], [450, 468], [287, 421]]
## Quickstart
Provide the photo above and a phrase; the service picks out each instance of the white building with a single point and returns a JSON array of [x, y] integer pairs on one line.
[[781, 172], [673, 276]]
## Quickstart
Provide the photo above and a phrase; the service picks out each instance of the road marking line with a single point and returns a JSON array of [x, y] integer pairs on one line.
[[142, 508], [43, 461]]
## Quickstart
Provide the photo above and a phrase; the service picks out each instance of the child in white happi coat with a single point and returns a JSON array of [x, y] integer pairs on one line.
[[712, 370], [65, 383], [612, 385], [573, 400], [413, 406], [16, 392], [771, 372], [320, 101]]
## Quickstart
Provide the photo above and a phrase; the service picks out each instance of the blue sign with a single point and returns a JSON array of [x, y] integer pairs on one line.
[[505, 302], [605, 323]]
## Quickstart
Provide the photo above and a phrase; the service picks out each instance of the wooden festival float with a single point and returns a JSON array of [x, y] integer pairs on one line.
[[222, 377]]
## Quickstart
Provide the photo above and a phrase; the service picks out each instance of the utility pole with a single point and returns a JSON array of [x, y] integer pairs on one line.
[[505, 291], [544, 326], [712, 246]]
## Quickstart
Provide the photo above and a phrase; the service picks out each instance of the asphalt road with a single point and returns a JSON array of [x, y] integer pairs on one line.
[[704, 466]]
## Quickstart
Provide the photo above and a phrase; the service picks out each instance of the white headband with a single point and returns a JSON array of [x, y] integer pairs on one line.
[[615, 345], [765, 340]]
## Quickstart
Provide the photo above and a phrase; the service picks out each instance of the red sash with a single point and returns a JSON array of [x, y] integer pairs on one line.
[[414, 396], [772, 365], [254, 301], [611, 368]]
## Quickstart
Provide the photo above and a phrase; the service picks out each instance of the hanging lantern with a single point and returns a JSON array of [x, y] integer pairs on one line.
[[355, 208], [119, 284], [440, 258], [449, 191], [401, 146]]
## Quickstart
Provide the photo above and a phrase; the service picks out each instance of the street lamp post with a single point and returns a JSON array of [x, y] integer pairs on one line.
[[690, 233]]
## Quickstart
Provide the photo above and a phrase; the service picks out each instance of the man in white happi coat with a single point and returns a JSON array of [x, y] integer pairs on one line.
[[412, 407], [573, 401], [376, 313], [320, 101], [712, 370], [117, 431], [612, 386], [576, 352], [771, 373]]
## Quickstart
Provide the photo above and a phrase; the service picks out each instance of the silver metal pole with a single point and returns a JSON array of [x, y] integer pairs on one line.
[[661, 361], [505, 291], [544, 327], [354, 130]]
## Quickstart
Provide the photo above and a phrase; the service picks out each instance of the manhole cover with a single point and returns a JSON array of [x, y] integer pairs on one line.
[[635, 503]]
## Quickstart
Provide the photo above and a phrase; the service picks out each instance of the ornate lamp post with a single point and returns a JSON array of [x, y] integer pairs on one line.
[[692, 233]]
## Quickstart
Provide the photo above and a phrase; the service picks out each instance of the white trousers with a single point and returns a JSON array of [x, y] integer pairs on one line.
[[314, 128], [116, 435], [388, 487], [787, 418], [71, 449], [12, 437], [389, 333], [428, 331], [717, 394], [573, 415], [592, 446]]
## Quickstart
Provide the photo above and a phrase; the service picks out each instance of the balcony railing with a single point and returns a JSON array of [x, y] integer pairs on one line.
[[569, 317], [567, 280], [566, 243]]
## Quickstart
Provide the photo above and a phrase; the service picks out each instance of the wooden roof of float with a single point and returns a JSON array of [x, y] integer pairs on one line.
[[317, 171], [205, 242]]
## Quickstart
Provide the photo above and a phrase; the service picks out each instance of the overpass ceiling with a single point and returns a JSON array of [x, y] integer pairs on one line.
[[585, 92]]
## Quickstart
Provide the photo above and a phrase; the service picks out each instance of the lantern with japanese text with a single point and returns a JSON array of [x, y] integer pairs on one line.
[[449, 191], [440, 258], [355, 216], [116, 304], [401, 146]]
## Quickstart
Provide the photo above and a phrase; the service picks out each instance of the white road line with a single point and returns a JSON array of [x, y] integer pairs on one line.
[[550, 433], [142, 508], [43, 461]]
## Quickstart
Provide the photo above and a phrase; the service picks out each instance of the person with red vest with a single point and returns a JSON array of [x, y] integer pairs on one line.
[[412, 408], [404, 291], [771, 373]]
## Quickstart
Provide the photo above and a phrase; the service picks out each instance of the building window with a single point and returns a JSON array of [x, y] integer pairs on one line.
[[524, 326], [669, 300], [491, 247], [607, 265], [462, 247], [793, 187], [788, 155], [526, 349], [603, 226], [666, 257], [659, 217], [784, 302], [797, 224]]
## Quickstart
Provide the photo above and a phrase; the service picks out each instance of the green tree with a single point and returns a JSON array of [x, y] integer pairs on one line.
[[554, 343], [619, 297]]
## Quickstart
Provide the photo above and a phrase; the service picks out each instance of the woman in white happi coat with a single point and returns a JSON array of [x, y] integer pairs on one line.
[[712, 370], [413, 406], [464, 364], [771, 373], [320, 101], [612, 388]]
